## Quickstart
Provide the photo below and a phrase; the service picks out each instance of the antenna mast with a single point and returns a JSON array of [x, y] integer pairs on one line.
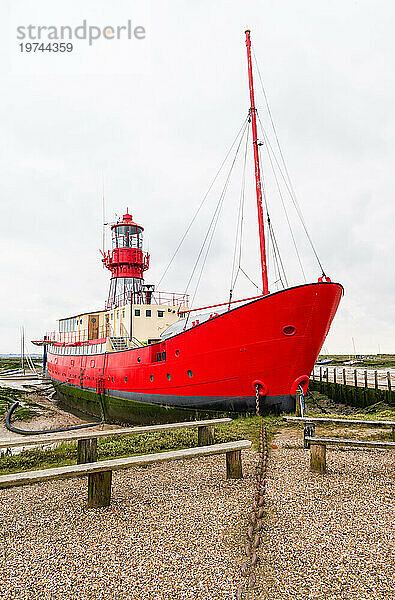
[[265, 287]]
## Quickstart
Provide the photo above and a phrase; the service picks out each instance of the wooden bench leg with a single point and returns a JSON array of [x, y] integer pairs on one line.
[[87, 451], [393, 434], [99, 489], [318, 458], [205, 435], [234, 468], [308, 431]]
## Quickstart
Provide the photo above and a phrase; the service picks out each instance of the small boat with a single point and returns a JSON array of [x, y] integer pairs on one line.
[[149, 356]]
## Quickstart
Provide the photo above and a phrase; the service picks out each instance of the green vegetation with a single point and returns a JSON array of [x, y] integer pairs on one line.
[[14, 362], [128, 445], [380, 361], [26, 411]]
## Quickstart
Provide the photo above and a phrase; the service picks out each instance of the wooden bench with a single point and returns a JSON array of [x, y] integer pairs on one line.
[[87, 440], [100, 473], [310, 422], [318, 449]]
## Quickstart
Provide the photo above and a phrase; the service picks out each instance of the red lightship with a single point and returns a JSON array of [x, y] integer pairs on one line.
[[147, 356]]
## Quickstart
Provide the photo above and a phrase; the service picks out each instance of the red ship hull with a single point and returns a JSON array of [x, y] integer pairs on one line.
[[212, 367]]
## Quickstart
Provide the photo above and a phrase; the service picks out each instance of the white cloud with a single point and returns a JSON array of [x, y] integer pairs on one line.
[[156, 117]]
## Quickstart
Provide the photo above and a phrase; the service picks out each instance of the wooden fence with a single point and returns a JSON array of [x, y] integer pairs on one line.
[[350, 386]]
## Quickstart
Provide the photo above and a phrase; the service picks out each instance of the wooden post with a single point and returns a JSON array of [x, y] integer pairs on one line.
[[327, 374], [334, 374], [308, 431], [355, 378], [320, 374], [389, 380], [344, 377], [206, 435], [313, 373], [233, 465], [87, 451], [366, 378], [318, 458], [393, 434], [99, 489]]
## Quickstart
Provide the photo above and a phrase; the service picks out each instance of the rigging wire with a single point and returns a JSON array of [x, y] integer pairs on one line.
[[240, 222], [270, 150], [287, 180], [240, 131], [213, 224], [277, 260]]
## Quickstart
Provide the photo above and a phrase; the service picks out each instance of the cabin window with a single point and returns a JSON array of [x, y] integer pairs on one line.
[[168, 376], [151, 377], [190, 374], [136, 312], [163, 355], [126, 379], [160, 313], [148, 312], [158, 356]]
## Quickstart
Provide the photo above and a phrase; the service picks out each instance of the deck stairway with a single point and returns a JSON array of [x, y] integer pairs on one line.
[[119, 343]]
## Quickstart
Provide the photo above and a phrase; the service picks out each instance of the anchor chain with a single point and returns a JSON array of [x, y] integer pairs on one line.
[[254, 532], [257, 407]]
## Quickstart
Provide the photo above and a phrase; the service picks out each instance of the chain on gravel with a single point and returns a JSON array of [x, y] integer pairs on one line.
[[255, 522]]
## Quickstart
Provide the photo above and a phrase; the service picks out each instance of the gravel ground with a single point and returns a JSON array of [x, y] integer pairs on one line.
[[173, 531], [328, 537]]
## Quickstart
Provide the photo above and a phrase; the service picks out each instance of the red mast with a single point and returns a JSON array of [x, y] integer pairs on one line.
[[265, 287]]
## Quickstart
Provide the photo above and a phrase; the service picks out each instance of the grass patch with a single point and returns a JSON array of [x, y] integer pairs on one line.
[[8, 396], [144, 443]]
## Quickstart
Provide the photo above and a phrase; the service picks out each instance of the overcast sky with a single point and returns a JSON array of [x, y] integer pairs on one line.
[[153, 119]]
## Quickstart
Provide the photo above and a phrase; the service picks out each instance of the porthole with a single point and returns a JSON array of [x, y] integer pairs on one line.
[[112, 379], [138, 359], [168, 376], [289, 330], [190, 374], [177, 353], [126, 379], [151, 377]]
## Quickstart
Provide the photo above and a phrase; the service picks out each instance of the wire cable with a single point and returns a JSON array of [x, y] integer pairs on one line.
[[202, 202]]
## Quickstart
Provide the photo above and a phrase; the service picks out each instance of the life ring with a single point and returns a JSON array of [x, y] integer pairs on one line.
[[302, 381], [263, 389]]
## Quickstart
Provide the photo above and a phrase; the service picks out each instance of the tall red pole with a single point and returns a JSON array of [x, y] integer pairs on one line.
[[265, 286]]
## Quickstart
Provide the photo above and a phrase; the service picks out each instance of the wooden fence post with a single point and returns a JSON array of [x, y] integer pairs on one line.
[[355, 378], [334, 374], [376, 381], [344, 377], [87, 451], [320, 374], [99, 489], [327, 374], [318, 458], [233, 465], [389, 380], [393, 434], [308, 431], [366, 378], [205, 435]]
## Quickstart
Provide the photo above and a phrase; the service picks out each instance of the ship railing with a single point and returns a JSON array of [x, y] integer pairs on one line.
[[74, 337], [148, 297], [184, 311]]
